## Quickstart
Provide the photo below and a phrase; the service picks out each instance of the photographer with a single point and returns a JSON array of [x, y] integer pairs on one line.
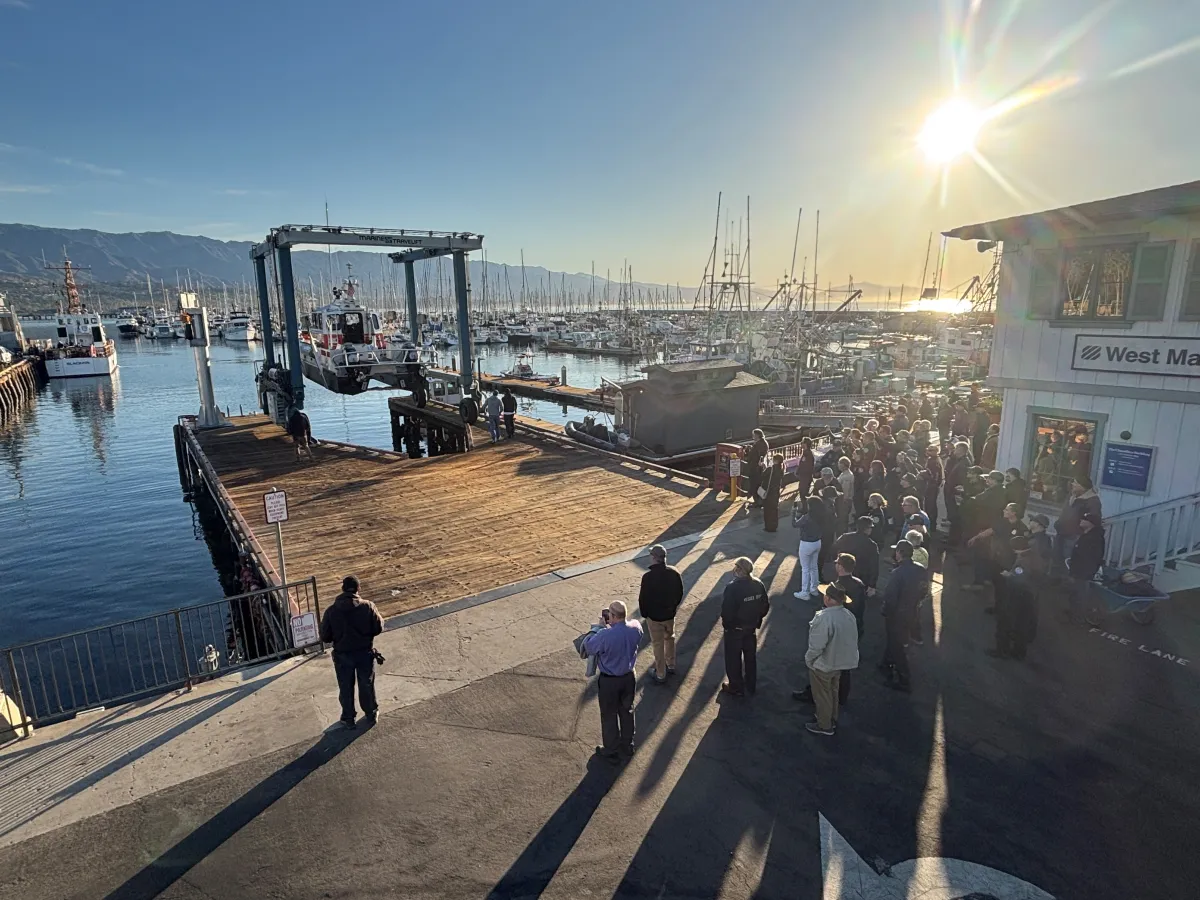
[[351, 624]]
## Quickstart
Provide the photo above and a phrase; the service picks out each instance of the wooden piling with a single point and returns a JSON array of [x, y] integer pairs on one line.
[[18, 385]]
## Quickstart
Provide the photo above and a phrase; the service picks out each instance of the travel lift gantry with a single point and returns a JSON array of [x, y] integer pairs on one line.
[[288, 380]]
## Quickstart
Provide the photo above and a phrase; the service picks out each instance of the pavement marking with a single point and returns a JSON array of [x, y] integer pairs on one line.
[[1149, 651], [847, 876]]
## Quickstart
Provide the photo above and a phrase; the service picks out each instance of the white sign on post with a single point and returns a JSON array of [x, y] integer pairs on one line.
[[304, 629], [735, 467], [275, 504]]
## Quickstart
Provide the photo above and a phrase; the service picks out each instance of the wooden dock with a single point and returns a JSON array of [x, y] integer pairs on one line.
[[565, 394], [420, 532]]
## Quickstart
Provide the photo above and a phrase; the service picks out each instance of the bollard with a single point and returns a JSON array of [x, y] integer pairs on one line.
[[563, 380]]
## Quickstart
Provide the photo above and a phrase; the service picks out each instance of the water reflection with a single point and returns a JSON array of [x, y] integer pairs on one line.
[[92, 401]]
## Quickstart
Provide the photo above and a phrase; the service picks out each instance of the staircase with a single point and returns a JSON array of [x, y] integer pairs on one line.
[[1158, 539]]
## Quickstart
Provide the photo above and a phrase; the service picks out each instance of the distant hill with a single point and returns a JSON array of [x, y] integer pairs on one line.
[[115, 267]]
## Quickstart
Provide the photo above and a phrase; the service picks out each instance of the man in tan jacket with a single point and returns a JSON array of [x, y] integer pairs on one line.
[[832, 649]]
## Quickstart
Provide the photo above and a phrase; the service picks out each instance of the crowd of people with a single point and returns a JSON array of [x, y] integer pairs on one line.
[[874, 500]]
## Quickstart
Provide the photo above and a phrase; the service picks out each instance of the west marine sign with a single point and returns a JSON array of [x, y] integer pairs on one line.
[[1140, 355]]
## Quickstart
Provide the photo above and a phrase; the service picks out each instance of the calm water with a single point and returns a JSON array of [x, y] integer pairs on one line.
[[95, 529]]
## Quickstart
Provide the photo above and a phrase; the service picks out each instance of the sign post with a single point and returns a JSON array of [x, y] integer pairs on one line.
[[735, 472], [275, 506]]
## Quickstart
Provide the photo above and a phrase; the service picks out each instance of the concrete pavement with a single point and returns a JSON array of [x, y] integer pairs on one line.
[[1072, 773]]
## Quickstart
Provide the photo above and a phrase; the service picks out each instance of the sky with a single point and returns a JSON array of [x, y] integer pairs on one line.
[[596, 133]]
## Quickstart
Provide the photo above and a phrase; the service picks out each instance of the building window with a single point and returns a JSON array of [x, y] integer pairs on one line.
[[1096, 282], [1059, 449]]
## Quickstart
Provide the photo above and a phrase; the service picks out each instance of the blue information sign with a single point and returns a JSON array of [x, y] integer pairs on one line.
[[1127, 467]]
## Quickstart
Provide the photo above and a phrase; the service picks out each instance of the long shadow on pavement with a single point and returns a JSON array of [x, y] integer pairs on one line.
[[176, 862]]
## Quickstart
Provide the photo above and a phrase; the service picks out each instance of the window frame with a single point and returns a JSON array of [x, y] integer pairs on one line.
[[1099, 419], [1093, 288], [1191, 274]]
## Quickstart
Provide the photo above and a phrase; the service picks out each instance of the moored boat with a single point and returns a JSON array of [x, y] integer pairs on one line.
[[81, 347]]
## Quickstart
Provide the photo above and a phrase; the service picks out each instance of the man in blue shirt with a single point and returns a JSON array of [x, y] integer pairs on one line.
[[615, 649]]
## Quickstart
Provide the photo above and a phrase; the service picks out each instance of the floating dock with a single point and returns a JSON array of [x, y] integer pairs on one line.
[[564, 394], [418, 532]]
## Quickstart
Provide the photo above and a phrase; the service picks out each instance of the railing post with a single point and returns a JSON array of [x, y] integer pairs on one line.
[[25, 730], [1164, 541], [187, 668], [317, 608]]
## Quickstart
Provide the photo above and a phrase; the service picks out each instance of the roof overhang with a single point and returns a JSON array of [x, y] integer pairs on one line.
[[1081, 218]]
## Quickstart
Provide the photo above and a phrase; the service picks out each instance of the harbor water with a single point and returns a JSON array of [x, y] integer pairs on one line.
[[95, 528]]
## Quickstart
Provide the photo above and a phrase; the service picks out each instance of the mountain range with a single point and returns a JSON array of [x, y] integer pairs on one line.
[[114, 268]]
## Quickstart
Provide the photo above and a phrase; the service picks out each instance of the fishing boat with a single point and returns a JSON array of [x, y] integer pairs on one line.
[[523, 369], [81, 348], [239, 328], [344, 348]]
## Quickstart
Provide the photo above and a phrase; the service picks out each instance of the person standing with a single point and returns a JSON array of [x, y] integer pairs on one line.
[[658, 601], [351, 625], [934, 476], [806, 466], [987, 456], [982, 428], [809, 516], [905, 587], [1015, 490], [1083, 500], [743, 609], [616, 648], [754, 467], [772, 485], [492, 409], [832, 650], [1087, 556], [856, 601], [846, 483], [865, 552], [1016, 612], [508, 404], [953, 488]]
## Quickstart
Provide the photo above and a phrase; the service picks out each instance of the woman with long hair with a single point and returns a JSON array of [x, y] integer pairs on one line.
[[809, 516], [773, 482], [806, 467]]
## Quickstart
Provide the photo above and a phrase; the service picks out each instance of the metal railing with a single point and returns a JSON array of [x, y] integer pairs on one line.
[[1154, 535], [813, 402], [52, 679]]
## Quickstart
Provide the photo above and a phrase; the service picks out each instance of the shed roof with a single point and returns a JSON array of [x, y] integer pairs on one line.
[[1174, 200], [698, 365], [745, 379]]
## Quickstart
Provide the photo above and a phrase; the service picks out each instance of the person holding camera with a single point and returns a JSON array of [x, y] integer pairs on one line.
[[615, 647], [350, 625]]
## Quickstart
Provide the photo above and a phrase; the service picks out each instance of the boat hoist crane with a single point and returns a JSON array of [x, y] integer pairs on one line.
[[286, 376]]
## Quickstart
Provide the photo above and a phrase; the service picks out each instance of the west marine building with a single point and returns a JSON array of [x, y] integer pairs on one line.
[[1097, 347]]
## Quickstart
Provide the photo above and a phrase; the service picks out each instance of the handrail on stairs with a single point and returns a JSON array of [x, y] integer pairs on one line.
[[1154, 535], [1153, 507]]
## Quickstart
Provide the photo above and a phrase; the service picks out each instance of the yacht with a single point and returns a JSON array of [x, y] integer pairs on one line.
[[127, 325], [81, 347], [239, 328], [162, 328], [11, 336]]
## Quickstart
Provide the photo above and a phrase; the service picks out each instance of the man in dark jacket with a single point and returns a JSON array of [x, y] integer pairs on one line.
[[1087, 557], [508, 405], [860, 544], [1083, 499], [743, 609], [351, 624], [754, 466], [905, 588], [1016, 610], [659, 599], [952, 490]]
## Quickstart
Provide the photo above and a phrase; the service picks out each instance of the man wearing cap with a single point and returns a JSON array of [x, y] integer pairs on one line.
[[1087, 556], [743, 609], [832, 650], [350, 625], [859, 544], [1016, 612], [658, 601], [615, 647], [905, 587], [1041, 548]]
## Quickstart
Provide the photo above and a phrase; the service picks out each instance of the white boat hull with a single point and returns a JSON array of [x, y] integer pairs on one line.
[[81, 366], [240, 334]]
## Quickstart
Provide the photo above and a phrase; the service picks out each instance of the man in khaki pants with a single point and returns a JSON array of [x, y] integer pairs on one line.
[[832, 649], [659, 599]]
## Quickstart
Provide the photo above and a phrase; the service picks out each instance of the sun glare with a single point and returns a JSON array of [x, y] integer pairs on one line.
[[950, 131]]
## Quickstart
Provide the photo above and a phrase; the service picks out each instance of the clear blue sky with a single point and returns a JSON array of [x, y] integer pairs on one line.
[[583, 132]]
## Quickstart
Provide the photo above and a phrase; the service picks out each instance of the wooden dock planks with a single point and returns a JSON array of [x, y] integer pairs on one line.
[[420, 532]]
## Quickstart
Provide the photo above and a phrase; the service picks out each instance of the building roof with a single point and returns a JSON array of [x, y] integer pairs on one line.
[[745, 379], [698, 365], [1174, 200]]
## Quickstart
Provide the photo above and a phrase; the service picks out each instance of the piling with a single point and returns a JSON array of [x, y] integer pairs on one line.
[[18, 384]]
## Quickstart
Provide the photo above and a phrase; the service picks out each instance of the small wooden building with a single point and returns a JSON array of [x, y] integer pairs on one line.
[[690, 405]]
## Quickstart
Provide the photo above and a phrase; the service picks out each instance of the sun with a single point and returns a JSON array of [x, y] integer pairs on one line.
[[950, 131]]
